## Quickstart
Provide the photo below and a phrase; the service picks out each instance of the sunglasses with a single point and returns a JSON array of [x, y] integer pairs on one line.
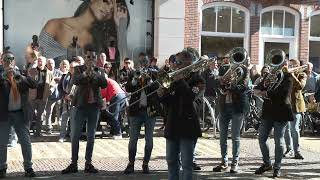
[[8, 58], [127, 62], [90, 57]]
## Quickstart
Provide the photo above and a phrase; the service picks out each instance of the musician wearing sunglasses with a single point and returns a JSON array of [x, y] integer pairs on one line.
[[88, 102], [142, 111], [292, 135], [276, 113], [182, 128], [14, 89]]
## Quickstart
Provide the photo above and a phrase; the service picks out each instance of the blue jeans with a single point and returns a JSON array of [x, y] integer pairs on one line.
[[21, 126], [264, 131], [68, 113], [114, 112], [135, 127], [90, 114], [175, 147], [236, 119], [292, 135]]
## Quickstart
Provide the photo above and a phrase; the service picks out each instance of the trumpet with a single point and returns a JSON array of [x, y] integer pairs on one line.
[[298, 69]]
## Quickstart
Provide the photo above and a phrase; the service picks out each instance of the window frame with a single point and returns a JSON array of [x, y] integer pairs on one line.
[[292, 40], [245, 35], [313, 38]]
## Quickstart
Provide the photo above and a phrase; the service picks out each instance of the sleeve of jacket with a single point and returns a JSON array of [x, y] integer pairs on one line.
[[300, 81]]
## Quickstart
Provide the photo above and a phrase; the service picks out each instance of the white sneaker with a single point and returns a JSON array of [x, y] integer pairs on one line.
[[117, 137], [61, 140]]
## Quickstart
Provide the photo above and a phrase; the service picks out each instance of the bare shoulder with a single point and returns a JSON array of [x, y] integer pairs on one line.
[[52, 26]]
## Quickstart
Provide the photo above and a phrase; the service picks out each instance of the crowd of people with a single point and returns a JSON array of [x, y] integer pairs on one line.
[[83, 91]]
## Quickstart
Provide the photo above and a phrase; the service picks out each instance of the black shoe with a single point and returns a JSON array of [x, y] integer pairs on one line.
[[298, 156], [145, 169], [196, 167], [72, 168], [3, 173], [30, 173], [129, 169], [221, 167], [263, 168], [276, 173], [288, 153], [89, 168]]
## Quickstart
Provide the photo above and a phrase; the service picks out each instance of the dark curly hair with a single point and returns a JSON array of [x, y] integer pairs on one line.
[[101, 31]]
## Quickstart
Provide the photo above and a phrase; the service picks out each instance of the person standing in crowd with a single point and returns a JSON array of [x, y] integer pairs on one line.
[[312, 83], [182, 127], [45, 85], [276, 112], [67, 90], [143, 61], [254, 75], [115, 97], [102, 60], [153, 69], [210, 75], [143, 111], [233, 103], [107, 69], [292, 135], [79, 60], [54, 96], [126, 71], [14, 89], [88, 102]]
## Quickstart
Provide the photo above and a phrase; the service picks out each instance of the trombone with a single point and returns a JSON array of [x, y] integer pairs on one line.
[[165, 80]]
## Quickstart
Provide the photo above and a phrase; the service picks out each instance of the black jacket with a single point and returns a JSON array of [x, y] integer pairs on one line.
[[240, 100], [23, 86], [212, 83], [84, 83], [278, 105], [182, 118], [153, 105]]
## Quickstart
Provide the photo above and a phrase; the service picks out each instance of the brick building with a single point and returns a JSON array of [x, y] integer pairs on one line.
[[214, 27]]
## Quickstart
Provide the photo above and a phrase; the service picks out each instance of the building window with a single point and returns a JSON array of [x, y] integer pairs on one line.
[[223, 19], [224, 26], [219, 46], [278, 22], [314, 41]]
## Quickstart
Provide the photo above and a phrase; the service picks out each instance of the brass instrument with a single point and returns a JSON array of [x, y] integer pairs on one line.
[[298, 69], [235, 73], [275, 59], [166, 79]]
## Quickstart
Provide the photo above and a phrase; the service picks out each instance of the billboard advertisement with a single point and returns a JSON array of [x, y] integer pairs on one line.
[[64, 27]]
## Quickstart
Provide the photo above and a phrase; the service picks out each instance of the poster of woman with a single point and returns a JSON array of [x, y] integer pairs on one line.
[[64, 27]]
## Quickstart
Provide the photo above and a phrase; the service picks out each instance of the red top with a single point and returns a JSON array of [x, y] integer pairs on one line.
[[112, 89]]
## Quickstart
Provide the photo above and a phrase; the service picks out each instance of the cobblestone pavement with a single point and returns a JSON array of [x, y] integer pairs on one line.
[[110, 157]]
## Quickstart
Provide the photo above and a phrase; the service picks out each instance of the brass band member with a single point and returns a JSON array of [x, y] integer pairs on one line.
[[14, 90], [142, 113], [292, 136], [232, 106], [276, 112], [182, 127], [87, 102]]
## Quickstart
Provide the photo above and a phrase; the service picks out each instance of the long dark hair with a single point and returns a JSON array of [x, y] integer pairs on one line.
[[101, 31]]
